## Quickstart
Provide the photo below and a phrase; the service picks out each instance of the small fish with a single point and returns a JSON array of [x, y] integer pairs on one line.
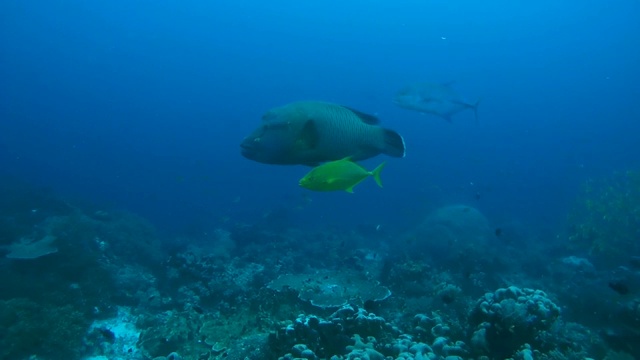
[[619, 287], [498, 232], [339, 175], [447, 298], [433, 98]]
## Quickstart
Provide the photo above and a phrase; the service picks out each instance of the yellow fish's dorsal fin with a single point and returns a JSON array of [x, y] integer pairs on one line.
[[376, 173]]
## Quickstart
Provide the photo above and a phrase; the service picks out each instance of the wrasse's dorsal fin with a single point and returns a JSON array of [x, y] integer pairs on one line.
[[366, 118]]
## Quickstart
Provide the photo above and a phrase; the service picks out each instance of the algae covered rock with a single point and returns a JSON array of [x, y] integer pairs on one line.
[[193, 333], [174, 333], [47, 331], [605, 218], [450, 229]]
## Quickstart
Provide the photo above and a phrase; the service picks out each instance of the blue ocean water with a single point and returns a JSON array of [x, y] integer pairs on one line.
[[142, 105]]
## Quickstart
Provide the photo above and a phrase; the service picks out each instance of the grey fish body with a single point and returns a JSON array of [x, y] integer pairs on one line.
[[432, 98], [312, 132]]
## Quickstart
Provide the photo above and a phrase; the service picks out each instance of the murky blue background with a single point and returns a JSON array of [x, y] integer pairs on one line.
[[142, 104]]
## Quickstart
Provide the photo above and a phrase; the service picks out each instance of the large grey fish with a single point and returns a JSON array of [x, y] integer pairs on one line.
[[432, 98], [312, 132]]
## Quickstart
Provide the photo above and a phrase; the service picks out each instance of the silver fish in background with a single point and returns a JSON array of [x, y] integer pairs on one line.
[[433, 98], [312, 132]]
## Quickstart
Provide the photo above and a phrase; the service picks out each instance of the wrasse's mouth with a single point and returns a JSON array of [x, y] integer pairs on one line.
[[247, 150], [247, 146]]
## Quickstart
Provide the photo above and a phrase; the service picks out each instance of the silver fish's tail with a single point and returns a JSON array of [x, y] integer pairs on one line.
[[474, 106]]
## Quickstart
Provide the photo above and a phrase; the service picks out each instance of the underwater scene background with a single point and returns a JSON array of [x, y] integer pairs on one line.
[[131, 226]]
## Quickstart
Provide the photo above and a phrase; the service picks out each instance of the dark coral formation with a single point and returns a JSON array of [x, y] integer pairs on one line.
[[113, 290], [510, 317]]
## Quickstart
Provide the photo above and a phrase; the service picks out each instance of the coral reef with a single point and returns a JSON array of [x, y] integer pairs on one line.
[[103, 280], [332, 289], [30, 328], [333, 335], [605, 220], [114, 338], [353, 333], [510, 317]]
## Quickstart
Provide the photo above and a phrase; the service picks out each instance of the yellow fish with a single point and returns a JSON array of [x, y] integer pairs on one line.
[[339, 175]]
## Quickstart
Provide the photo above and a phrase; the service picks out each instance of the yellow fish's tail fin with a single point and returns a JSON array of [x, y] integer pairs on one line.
[[376, 174]]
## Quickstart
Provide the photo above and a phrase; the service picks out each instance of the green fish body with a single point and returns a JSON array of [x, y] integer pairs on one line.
[[341, 174], [314, 132]]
